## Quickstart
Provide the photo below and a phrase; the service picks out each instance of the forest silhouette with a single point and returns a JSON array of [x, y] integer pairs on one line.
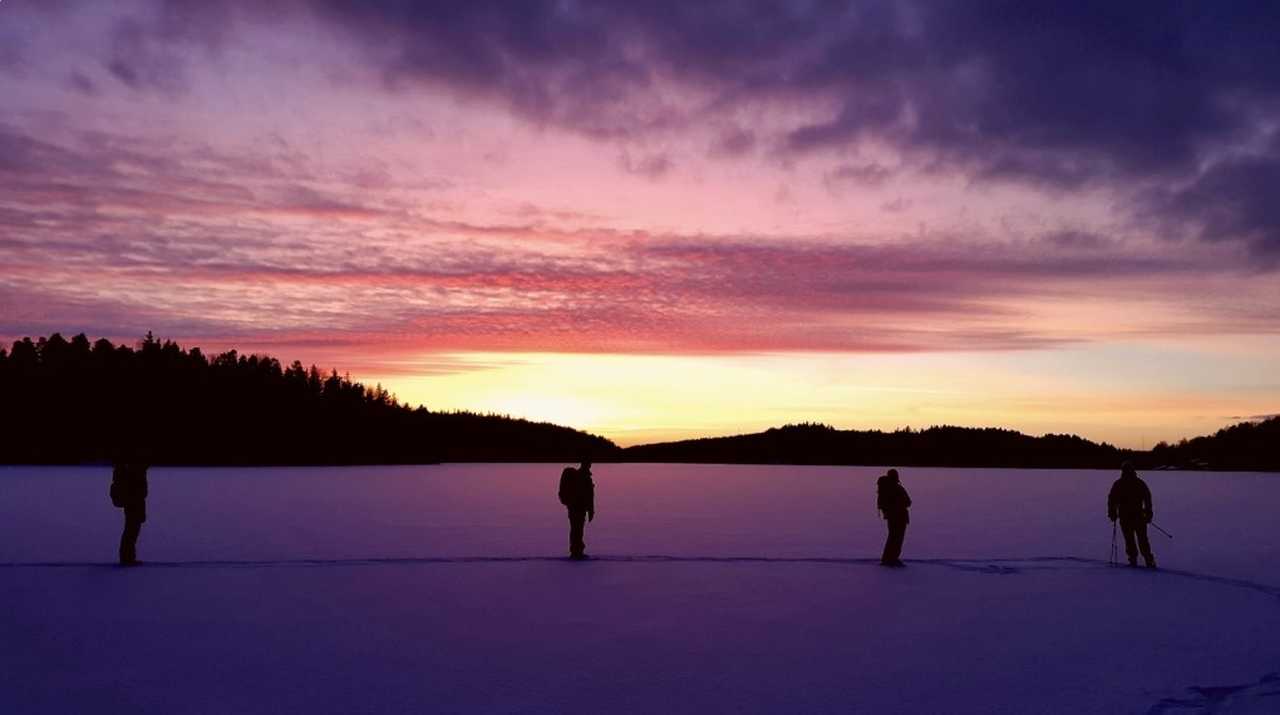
[[936, 446], [1253, 445], [69, 401], [73, 401]]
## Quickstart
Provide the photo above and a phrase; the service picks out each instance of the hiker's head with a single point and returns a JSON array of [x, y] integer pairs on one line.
[[1127, 470], [892, 474], [124, 453], [586, 464]]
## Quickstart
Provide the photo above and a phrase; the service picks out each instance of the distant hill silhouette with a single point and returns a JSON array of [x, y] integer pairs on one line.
[[1253, 445], [936, 446], [69, 401], [1249, 446]]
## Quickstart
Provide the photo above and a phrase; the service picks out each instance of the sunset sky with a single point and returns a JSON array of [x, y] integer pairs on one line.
[[655, 220]]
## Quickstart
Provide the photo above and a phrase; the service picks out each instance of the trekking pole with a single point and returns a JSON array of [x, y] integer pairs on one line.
[[1113, 542], [1162, 531]]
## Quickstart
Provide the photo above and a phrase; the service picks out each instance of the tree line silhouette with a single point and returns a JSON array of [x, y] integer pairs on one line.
[[1247, 446], [810, 443], [1253, 445], [72, 401]]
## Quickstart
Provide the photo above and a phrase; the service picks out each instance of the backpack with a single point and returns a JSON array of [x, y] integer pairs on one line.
[[883, 501], [566, 484]]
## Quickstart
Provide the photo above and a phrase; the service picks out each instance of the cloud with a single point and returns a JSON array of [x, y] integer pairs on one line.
[[1073, 239], [186, 252], [96, 169], [82, 84], [1063, 97], [897, 205], [651, 166], [1232, 200], [101, 231], [149, 50], [1142, 104], [734, 142], [863, 175], [1014, 88]]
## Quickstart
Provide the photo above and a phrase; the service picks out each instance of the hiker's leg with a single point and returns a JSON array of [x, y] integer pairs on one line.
[[1130, 545], [893, 542], [577, 522], [129, 539], [1144, 544]]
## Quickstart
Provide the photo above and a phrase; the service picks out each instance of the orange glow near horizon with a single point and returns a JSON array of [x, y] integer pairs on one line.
[[635, 399]]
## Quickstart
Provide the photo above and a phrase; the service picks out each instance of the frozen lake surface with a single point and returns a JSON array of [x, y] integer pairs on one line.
[[714, 588]]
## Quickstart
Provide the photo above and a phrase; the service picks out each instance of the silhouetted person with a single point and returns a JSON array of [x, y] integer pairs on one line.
[[129, 492], [893, 502], [1130, 501], [578, 494]]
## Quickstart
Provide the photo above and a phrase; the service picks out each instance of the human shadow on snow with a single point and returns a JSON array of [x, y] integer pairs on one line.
[[994, 566], [1210, 699]]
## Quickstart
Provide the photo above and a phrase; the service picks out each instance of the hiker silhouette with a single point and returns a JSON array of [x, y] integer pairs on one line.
[[578, 495], [129, 492], [1130, 501], [893, 502]]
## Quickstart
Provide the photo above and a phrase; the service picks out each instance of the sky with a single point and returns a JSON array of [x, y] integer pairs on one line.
[[662, 220]]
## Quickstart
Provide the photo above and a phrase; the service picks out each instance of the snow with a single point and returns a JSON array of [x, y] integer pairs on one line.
[[713, 588]]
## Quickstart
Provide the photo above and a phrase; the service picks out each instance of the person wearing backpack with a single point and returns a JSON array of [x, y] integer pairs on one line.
[[1130, 501], [578, 495], [129, 492], [893, 502]]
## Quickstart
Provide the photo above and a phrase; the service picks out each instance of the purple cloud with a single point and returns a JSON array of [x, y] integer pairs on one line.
[[862, 175], [652, 166], [1067, 96]]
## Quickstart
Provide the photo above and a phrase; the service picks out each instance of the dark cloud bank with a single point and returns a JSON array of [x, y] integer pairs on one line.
[[1176, 101]]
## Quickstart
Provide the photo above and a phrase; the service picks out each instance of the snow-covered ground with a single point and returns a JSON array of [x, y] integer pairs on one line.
[[714, 588]]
